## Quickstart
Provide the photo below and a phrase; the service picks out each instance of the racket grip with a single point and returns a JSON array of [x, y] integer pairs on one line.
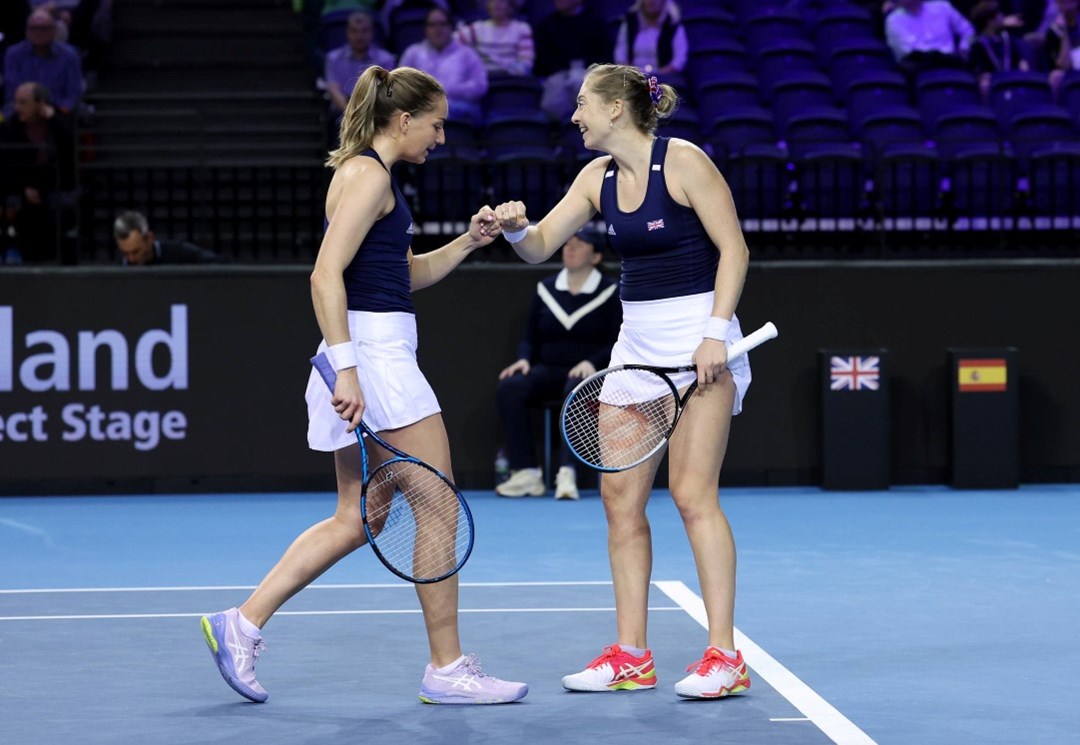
[[752, 340], [326, 371]]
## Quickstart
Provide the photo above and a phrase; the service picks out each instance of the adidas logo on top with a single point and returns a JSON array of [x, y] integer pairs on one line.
[[610, 229]]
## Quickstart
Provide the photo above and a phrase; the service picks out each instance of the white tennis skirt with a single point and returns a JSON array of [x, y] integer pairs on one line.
[[396, 393], [666, 332]]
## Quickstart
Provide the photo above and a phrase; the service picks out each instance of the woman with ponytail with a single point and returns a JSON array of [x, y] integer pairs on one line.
[[671, 219], [360, 289]]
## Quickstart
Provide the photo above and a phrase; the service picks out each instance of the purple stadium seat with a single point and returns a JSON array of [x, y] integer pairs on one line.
[[799, 91], [1017, 91], [739, 128], [872, 93], [724, 92]]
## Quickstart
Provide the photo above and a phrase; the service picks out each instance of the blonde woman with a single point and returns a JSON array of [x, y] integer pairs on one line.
[[360, 288], [671, 219]]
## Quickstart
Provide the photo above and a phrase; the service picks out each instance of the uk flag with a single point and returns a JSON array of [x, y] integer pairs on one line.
[[655, 224], [855, 373]]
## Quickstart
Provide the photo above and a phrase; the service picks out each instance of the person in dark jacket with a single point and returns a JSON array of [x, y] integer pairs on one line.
[[573, 323], [139, 246]]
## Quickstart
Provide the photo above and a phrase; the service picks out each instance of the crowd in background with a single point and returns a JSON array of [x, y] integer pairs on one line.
[[53, 51]]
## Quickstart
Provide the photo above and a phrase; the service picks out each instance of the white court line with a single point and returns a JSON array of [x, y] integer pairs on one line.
[[368, 612], [372, 586], [835, 725]]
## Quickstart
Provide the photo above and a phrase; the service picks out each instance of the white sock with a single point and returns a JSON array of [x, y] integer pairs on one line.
[[250, 630], [729, 653], [636, 651], [451, 666]]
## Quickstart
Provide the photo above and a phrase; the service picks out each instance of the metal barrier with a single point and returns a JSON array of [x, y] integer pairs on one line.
[[824, 205]]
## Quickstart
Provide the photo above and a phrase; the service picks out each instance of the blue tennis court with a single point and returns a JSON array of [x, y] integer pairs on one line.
[[914, 615]]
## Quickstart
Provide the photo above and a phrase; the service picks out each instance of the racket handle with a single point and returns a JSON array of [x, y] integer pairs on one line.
[[325, 369], [755, 339]]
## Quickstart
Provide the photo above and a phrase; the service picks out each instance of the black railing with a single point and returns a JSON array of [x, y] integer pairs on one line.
[[824, 204]]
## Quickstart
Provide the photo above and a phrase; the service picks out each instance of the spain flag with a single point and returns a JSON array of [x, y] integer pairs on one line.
[[982, 376]]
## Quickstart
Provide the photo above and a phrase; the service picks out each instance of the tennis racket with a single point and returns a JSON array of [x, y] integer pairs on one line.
[[416, 520], [620, 417]]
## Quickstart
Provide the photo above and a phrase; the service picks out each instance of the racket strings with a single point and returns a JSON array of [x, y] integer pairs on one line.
[[619, 419], [417, 521]]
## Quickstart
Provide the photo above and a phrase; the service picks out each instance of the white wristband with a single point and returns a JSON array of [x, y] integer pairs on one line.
[[516, 236], [342, 355], [716, 328]]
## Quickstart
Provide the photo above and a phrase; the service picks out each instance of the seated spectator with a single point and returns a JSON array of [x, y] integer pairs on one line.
[[38, 175], [458, 67], [926, 35], [41, 59], [567, 42], [344, 64], [140, 247], [995, 49], [652, 38], [1062, 46], [573, 322], [504, 44]]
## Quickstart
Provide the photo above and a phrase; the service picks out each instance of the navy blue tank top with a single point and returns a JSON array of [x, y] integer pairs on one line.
[[664, 248], [377, 279]]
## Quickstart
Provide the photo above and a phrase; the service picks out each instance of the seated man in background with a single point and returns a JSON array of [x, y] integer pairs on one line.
[[344, 64], [139, 246], [573, 322], [44, 60], [568, 40], [652, 38], [458, 67], [925, 35], [37, 175], [995, 49]]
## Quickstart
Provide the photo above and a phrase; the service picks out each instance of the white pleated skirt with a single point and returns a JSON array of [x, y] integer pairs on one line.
[[666, 332], [396, 393]]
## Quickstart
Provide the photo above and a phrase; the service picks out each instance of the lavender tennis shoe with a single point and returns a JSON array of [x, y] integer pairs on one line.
[[235, 653], [467, 684]]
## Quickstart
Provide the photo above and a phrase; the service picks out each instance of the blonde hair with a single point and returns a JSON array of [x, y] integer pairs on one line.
[[378, 95], [629, 84]]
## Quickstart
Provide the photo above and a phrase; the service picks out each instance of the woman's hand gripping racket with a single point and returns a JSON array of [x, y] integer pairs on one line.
[[416, 520], [620, 417]]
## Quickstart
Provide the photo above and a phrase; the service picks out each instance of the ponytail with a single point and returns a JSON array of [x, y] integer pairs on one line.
[[378, 95]]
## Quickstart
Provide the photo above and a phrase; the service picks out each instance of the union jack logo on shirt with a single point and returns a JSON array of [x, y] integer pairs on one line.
[[854, 373], [655, 224]]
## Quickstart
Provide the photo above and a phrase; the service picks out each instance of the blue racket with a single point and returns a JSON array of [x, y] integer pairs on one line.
[[416, 520]]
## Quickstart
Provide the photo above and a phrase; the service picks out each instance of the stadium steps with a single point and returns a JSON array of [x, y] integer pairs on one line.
[[205, 79]]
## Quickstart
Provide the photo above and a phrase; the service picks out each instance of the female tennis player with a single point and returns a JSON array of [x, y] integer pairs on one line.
[[671, 219], [360, 289]]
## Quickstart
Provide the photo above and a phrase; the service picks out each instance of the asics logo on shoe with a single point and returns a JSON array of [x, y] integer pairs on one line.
[[239, 652], [627, 671], [466, 682]]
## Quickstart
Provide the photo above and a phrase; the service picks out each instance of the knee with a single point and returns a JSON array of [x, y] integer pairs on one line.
[[351, 527], [694, 504], [512, 390], [623, 512]]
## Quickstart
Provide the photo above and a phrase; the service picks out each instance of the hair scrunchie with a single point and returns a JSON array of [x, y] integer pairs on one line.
[[654, 91]]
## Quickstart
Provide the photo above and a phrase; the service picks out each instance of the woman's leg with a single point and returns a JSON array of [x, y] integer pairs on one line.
[[317, 548], [696, 453], [427, 441], [625, 496]]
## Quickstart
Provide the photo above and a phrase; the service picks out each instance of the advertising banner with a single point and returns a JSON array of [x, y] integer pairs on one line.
[[176, 377]]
